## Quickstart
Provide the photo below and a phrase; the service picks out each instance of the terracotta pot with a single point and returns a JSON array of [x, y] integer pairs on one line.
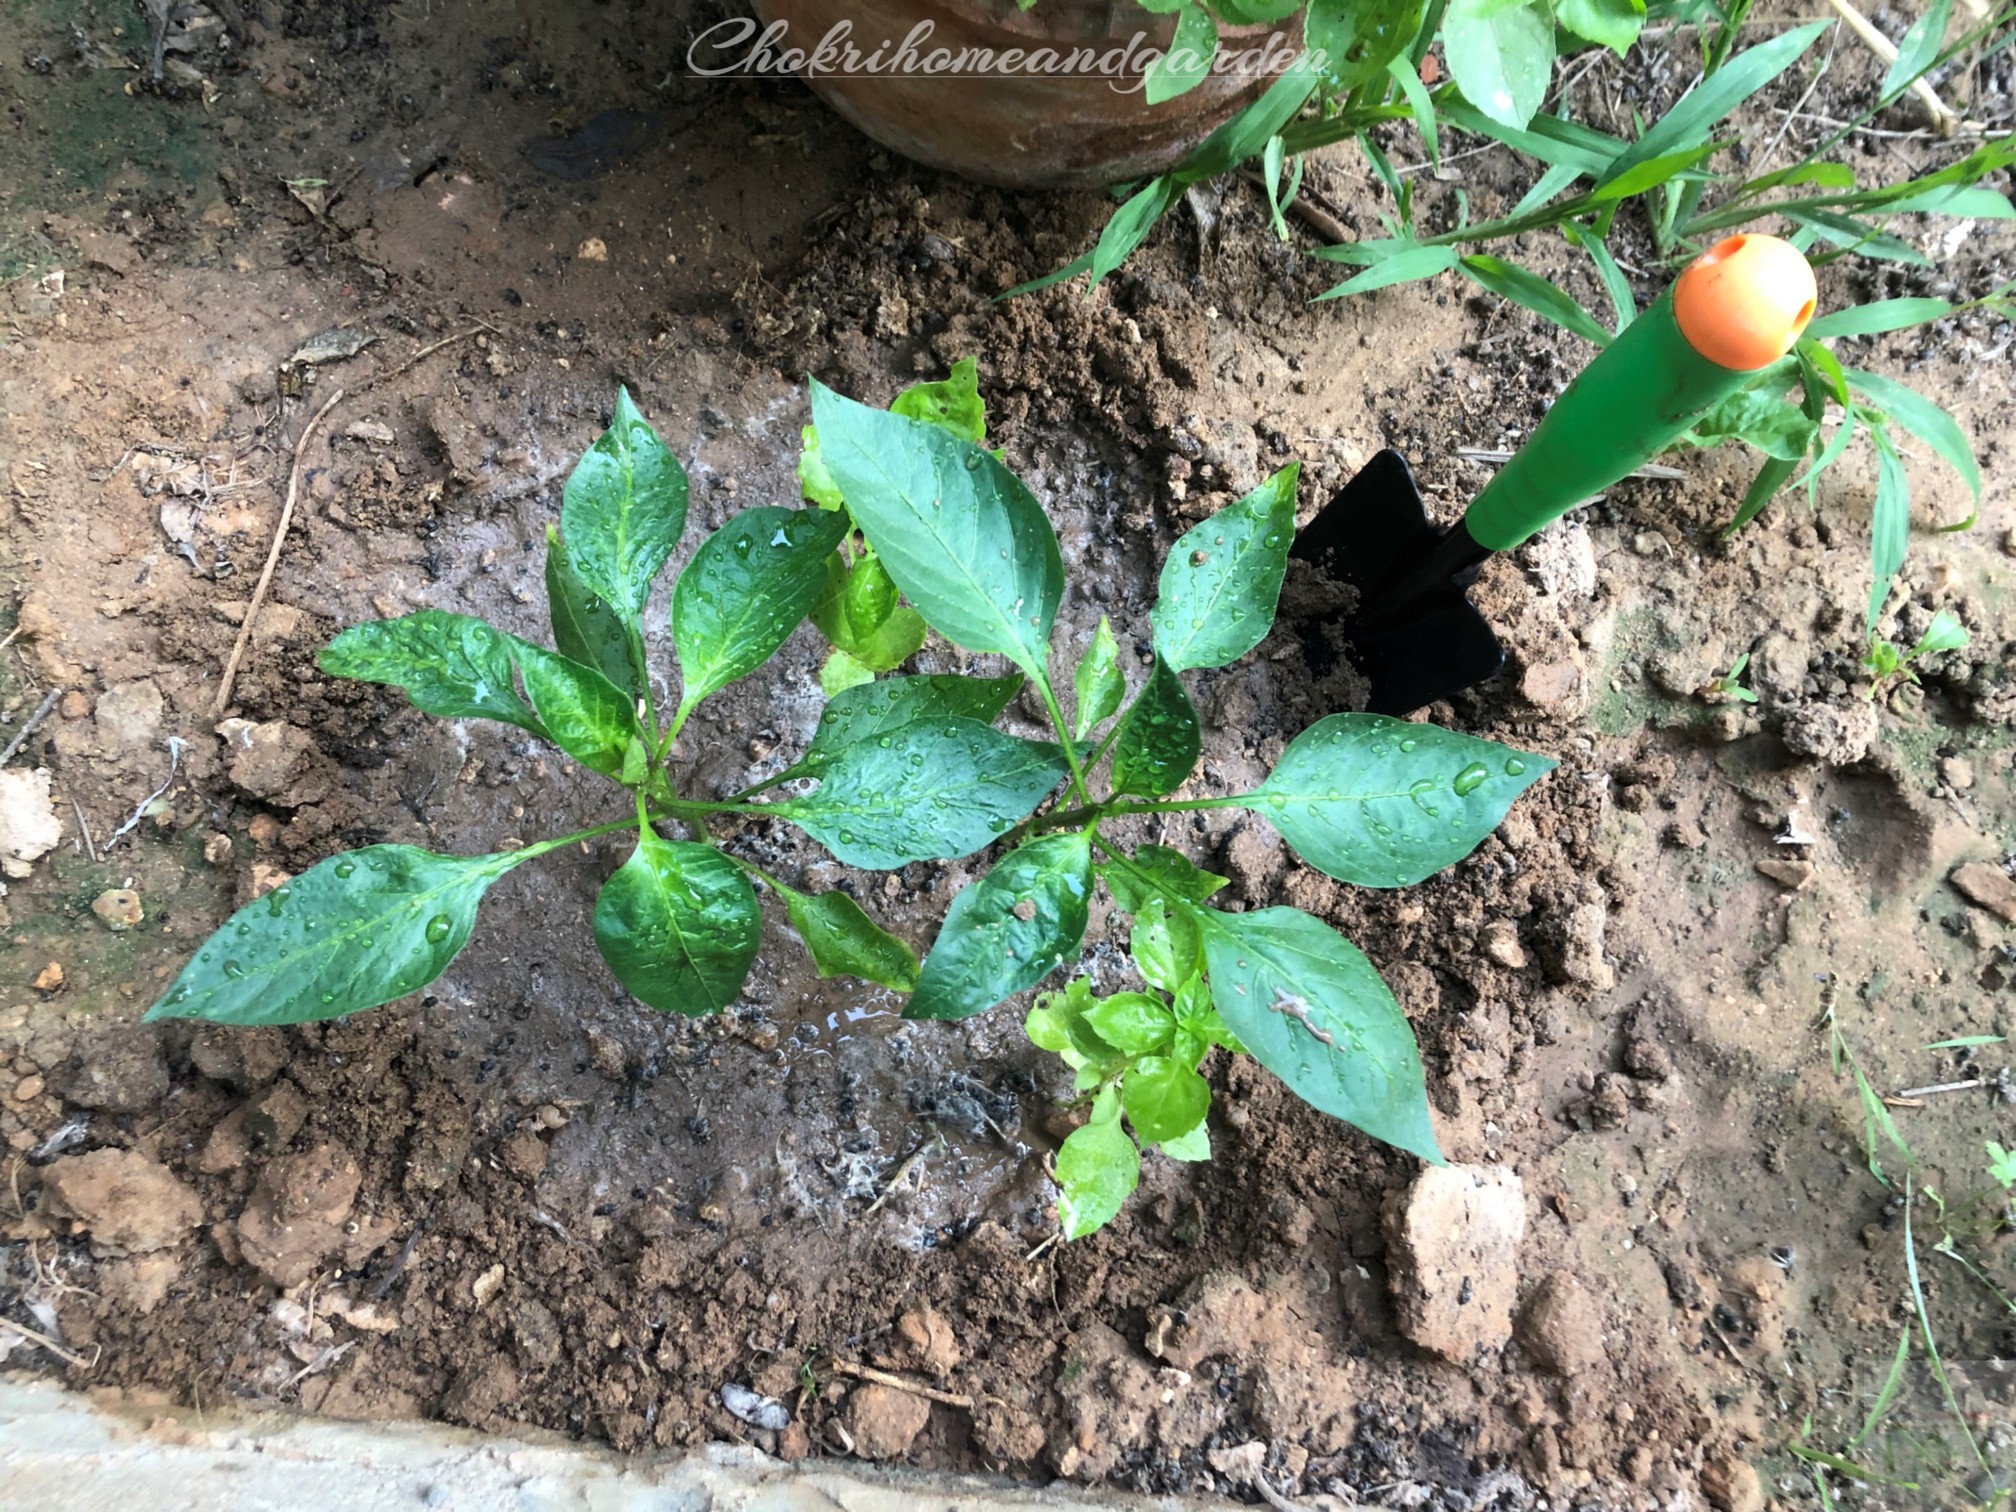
[[1022, 128]]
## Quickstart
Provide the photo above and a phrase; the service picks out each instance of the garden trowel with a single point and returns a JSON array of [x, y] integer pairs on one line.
[[1414, 634]]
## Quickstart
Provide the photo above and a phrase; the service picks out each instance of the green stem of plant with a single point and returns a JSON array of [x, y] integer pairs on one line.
[[638, 660], [1064, 739], [1106, 745], [679, 717], [532, 852]]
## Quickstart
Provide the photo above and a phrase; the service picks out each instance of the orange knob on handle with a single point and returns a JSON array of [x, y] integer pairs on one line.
[[1743, 302]]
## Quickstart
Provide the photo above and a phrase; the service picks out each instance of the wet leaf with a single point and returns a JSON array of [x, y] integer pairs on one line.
[[746, 589], [866, 713], [1164, 1099], [814, 481], [959, 534], [1500, 57], [1166, 947], [895, 632], [1282, 980], [1159, 739], [1383, 803], [1134, 1023], [1009, 930], [952, 404], [585, 628], [1614, 24], [356, 931], [1099, 682], [1222, 579], [1187, 61], [839, 672], [1157, 871], [1098, 1168], [844, 941], [869, 597], [1359, 38], [933, 789], [678, 924], [622, 511], [1058, 1023], [585, 714], [1194, 1146], [453, 665]]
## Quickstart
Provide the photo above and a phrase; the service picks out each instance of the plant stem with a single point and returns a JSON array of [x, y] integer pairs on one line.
[[686, 707], [637, 659], [1065, 818], [1064, 738]]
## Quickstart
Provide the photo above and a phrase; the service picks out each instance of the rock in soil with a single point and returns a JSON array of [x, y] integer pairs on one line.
[[885, 1422], [1561, 1328], [1786, 872], [1453, 1250], [1732, 1486], [276, 762], [924, 1342], [294, 1220], [127, 1203], [1988, 886], [29, 827], [124, 1073], [1837, 735], [118, 908]]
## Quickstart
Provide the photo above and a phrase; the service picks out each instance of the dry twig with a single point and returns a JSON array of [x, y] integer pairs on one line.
[[33, 1337], [897, 1383], [41, 713], [1944, 117]]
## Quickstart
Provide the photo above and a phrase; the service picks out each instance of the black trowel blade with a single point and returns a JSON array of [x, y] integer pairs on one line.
[[1414, 635]]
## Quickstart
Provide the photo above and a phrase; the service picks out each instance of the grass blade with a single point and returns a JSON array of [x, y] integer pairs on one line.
[[1417, 101], [1401, 267], [1923, 419], [1880, 316], [1918, 51], [1550, 301], [1889, 539]]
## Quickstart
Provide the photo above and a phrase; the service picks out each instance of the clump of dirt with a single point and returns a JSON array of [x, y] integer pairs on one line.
[[521, 1198]]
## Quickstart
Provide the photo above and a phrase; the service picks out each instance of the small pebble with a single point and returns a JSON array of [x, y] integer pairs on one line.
[[118, 907]]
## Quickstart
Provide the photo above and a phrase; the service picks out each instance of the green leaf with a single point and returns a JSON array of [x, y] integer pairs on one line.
[[1159, 739], [844, 941], [1924, 419], [1771, 476], [1551, 139], [2001, 1165], [1510, 281], [453, 665], [1692, 122], [1889, 524], [1222, 579], [854, 611], [585, 714], [1403, 266], [1875, 318], [960, 535], [1165, 945], [1164, 1099], [1918, 51], [840, 672], [1157, 871], [353, 932], [1188, 60], [1614, 24], [586, 629], [679, 925], [1651, 173], [814, 481], [1945, 633], [1285, 982], [1622, 301], [1009, 930], [1247, 133], [1418, 101], [1359, 38], [953, 404], [746, 590], [1058, 1022], [1858, 236], [1764, 417], [622, 510], [933, 789], [1134, 1023], [1499, 57], [1098, 1168], [1100, 682], [1194, 1146], [1129, 226], [1198, 1018], [1383, 803], [1969, 200], [868, 713], [1821, 371]]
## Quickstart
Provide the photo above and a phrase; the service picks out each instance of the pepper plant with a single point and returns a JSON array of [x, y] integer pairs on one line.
[[912, 768]]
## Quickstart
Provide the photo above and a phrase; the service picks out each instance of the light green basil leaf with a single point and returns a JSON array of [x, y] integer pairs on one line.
[[453, 665], [953, 404], [1058, 1023], [1359, 38], [746, 590], [1197, 1017], [1100, 682], [843, 941], [1165, 944], [1098, 1168], [814, 482], [1009, 930], [884, 636], [869, 597], [1157, 871], [1222, 580], [1194, 1146], [839, 672], [868, 713], [1164, 1099], [1309, 1007], [1500, 58], [585, 714], [353, 932], [622, 511], [960, 535], [1159, 739], [678, 924], [1614, 24], [1134, 1023], [932, 789], [585, 628], [1383, 803]]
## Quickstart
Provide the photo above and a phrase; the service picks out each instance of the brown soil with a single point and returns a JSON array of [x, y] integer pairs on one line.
[[522, 1198]]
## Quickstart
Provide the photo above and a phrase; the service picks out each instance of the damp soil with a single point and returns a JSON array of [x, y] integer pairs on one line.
[[523, 1199]]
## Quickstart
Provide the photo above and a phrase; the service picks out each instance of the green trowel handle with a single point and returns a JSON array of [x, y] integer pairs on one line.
[[1627, 407]]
